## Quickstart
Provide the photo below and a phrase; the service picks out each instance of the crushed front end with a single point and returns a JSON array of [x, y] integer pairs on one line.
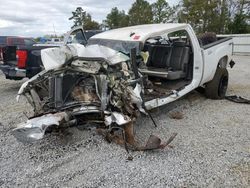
[[99, 90]]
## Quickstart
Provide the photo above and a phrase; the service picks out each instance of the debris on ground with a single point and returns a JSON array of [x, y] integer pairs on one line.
[[176, 115], [238, 99]]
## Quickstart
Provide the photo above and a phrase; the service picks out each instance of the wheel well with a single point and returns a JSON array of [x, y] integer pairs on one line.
[[223, 62]]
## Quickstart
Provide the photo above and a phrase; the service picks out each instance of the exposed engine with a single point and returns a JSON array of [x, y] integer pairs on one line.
[[84, 91]]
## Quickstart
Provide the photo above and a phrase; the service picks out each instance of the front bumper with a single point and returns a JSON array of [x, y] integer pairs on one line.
[[12, 72]]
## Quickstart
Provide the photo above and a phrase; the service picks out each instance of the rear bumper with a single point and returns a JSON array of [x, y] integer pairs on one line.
[[12, 72]]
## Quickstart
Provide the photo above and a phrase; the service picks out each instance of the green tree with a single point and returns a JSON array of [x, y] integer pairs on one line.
[[239, 14], [239, 25], [82, 18], [116, 19], [162, 12], [140, 13], [214, 15], [78, 17], [202, 15], [90, 24]]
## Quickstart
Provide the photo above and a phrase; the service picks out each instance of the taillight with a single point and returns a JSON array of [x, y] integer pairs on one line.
[[21, 58]]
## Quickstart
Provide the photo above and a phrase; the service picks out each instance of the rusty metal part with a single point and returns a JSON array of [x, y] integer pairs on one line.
[[36, 100], [129, 133], [155, 142], [169, 141], [152, 143], [83, 94], [125, 136]]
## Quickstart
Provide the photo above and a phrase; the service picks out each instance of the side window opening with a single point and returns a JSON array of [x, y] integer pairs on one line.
[[169, 56], [181, 35], [77, 36], [167, 63]]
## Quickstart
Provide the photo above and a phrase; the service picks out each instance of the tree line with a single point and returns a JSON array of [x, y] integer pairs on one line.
[[220, 16]]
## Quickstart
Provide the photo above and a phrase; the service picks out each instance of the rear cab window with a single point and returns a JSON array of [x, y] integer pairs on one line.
[[181, 35]]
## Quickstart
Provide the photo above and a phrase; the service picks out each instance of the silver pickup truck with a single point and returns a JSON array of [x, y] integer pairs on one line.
[[120, 74]]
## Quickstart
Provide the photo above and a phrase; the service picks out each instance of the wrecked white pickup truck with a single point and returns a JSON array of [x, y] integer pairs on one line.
[[120, 74]]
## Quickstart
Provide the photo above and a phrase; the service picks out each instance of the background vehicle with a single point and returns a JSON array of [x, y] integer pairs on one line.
[[7, 43], [8, 55], [22, 56]]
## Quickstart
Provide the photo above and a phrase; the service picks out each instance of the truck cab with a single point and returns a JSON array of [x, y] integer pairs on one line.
[[174, 61]]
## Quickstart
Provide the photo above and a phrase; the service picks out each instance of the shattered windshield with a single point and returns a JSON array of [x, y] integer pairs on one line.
[[120, 46]]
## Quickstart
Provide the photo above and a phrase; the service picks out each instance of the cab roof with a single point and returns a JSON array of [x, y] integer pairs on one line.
[[139, 33]]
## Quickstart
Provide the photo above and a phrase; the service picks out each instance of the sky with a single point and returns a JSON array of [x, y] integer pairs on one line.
[[37, 18]]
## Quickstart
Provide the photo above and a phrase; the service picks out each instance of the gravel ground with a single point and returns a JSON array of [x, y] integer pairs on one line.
[[212, 148]]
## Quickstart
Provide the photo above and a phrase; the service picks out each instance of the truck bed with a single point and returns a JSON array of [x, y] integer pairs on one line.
[[220, 52]]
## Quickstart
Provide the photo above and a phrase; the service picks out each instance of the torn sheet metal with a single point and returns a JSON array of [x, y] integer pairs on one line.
[[101, 84], [86, 66], [136, 98], [98, 51], [53, 58], [34, 129], [155, 142], [25, 84]]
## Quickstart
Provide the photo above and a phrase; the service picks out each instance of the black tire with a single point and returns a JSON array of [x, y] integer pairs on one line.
[[217, 88], [200, 90]]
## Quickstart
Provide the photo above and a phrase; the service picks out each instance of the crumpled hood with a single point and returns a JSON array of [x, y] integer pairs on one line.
[[53, 58]]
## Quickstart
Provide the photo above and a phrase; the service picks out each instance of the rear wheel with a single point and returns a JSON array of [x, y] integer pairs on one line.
[[217, 88]]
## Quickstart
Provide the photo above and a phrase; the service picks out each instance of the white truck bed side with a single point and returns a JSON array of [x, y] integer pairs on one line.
[[212, 54]]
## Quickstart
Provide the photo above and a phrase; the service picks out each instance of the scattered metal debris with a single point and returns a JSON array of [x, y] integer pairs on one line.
[[238, 99], [34, 129]]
